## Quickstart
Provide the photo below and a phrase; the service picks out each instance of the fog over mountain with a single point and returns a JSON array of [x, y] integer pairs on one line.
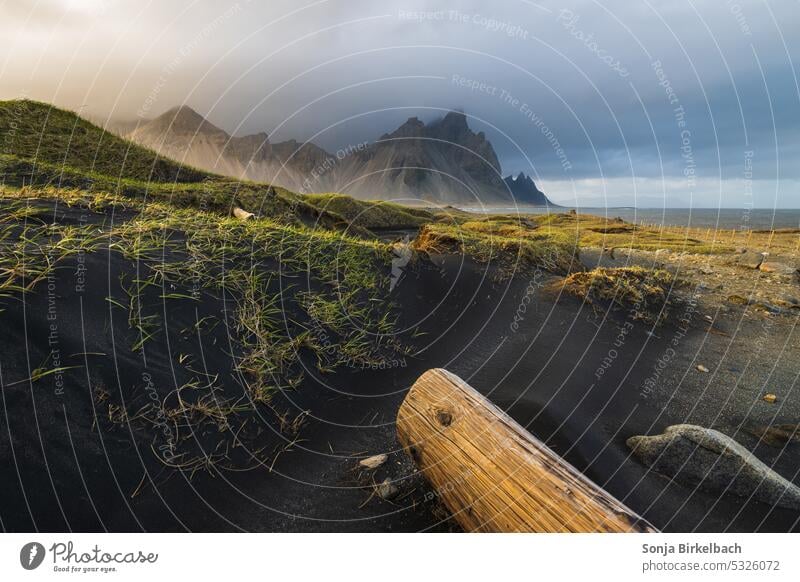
[[442, 162], [655, 104]]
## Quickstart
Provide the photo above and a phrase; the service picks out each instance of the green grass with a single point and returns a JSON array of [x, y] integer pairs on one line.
[[371, 214], [597, 231], [44, 133], [507, 242], [328, 307]]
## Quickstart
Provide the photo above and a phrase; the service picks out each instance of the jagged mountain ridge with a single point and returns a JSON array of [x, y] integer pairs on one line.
[[441, 162], [524, 190]]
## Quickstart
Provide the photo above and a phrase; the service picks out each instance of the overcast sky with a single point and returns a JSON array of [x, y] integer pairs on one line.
[[670, 103]]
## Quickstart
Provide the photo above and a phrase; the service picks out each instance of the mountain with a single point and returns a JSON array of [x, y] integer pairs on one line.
[[525, 192], [441, 162], [184, 135]]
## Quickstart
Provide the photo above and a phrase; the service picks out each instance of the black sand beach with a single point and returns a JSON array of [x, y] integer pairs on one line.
[[579, 378]]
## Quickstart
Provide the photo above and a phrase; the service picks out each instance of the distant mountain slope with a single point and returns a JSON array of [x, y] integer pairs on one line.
[[441, 162], [524, 191], [184, 135], [43, 133]]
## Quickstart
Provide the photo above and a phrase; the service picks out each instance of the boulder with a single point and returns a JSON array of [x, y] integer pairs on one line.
[[751, 259], [777, 268], [706, 458]]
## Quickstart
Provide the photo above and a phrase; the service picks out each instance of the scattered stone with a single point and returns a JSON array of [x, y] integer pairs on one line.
[[242, 214], [768, 307], [373, 462], [770, 398], [708, 459], [751, 259], [387, 490], [702, 368], [777, 268], [791, 300], [778, 435]]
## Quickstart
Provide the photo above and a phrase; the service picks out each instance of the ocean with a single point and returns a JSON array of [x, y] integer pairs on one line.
[[719, 218]]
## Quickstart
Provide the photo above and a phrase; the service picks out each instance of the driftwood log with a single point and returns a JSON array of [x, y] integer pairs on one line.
[[493, 475]]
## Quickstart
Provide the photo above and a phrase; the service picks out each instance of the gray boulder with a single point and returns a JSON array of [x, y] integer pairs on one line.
[[703, 457], [751, 259]]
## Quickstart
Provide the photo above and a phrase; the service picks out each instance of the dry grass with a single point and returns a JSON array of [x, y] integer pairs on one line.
[[511, 244], [648, 294]]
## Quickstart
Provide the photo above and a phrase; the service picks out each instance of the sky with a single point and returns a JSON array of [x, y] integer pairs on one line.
[[676, 103]]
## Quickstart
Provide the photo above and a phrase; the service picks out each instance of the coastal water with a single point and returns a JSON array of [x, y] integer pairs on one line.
[[720, 218]]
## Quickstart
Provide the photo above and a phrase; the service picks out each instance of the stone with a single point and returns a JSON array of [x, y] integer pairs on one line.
[[770, 398], [702, 368], [387, 490], [777, 268], [706, 458], [791, 299], [751, 259], [242, 214], [373, 462]]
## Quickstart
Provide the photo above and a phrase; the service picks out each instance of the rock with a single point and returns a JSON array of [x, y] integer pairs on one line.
[[777, 268], [768, 307], [751, 259], [791, 300], [706, 458], [702, 368], [242, 214], [706, 270], [373, 462], [770, 398], [387, 490], [777, 435]]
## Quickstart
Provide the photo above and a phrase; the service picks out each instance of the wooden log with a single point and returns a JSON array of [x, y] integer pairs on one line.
[[491, 473]]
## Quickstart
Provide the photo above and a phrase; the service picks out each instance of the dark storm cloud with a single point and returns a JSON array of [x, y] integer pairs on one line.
[[690, 93]]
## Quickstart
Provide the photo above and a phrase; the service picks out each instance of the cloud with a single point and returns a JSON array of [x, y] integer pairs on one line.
[[574, 91]]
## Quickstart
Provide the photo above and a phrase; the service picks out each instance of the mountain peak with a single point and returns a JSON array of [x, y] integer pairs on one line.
[[524, 190], [452, 127], [184, 119], [412, 127]]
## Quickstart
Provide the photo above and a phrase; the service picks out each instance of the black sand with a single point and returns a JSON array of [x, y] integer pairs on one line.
[[68, 467]]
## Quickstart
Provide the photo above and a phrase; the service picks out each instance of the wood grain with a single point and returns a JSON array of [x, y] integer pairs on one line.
[[491, 473]]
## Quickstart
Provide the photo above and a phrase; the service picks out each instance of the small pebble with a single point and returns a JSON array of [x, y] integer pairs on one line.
[[387, 490], [771, 398], [702, 368], [373, 462]]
